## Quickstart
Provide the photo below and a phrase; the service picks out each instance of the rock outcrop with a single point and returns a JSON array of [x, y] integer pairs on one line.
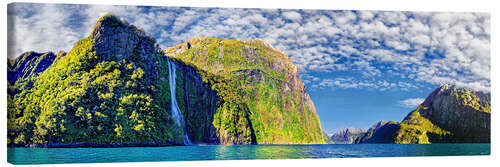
[[347, 135], [198, 102]]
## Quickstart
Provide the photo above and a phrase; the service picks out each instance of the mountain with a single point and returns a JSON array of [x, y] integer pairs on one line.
[[27, 66], [347, 135], [260, 88], [116, 87], [327, 138], [380, 132], [448, 115]]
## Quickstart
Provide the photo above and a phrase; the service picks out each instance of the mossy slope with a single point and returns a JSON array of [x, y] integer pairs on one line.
[[260, 91]]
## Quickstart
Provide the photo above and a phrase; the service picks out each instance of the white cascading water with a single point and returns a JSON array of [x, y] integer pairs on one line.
[[176, 112]]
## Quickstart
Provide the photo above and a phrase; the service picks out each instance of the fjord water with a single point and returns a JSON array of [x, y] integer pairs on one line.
[[237, 152]]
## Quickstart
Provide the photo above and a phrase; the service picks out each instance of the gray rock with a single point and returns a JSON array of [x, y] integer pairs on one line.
[[464, 112]]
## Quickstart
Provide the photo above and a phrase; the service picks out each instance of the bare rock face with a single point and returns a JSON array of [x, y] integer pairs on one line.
[[347, 135], [117, 40], [198, 102], [463, 112]]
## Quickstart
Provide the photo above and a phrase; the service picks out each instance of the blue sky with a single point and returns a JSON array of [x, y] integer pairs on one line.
[[359, 67]]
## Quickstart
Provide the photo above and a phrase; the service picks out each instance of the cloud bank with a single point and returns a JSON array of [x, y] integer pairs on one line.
[[334, 49]]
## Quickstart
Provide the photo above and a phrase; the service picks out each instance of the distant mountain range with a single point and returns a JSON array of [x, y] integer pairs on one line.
[[346, 135]]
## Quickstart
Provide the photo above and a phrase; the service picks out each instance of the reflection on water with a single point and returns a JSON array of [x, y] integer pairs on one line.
[[190, 153], [262, 152]]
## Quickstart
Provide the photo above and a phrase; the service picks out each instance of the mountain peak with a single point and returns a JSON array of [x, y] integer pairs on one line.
[[347, 135], [466, 97], [115, 39], [450, 114], [108, 21]]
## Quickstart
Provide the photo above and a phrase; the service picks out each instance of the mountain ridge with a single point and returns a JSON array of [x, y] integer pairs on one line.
[[347, 135], [112, 89]]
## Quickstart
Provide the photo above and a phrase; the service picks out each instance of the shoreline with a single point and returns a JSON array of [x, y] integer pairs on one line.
[[165, 144], [94, 145]]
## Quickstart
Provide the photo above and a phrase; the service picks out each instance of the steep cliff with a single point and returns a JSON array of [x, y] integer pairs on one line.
[[448, 115], [198, 103], [262, 97], [347, 135], [113, 88]]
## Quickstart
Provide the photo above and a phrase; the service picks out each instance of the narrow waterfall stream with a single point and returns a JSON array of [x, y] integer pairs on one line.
[[176, 112]]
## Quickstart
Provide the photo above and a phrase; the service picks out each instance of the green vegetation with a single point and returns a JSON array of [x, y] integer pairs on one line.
[[251, 78], [466, 97], [25, 67], [80, 99], [414, 129], [101, 94], [448, 115]]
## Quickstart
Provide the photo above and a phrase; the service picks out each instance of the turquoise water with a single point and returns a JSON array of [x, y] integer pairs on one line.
[[240, 152]]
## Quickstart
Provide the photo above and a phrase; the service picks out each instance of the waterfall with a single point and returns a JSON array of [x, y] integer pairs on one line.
[[176, 112]]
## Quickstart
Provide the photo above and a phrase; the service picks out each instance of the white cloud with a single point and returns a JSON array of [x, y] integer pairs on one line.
[[293, 16], [357, 83], [411, 102], [431, 48], [43, 31]]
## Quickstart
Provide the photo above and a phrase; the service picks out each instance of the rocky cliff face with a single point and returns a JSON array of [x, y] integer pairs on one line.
[[117, 40], [448, 115], [262, 97], [113, 87], [347, 135], [198, 102]]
